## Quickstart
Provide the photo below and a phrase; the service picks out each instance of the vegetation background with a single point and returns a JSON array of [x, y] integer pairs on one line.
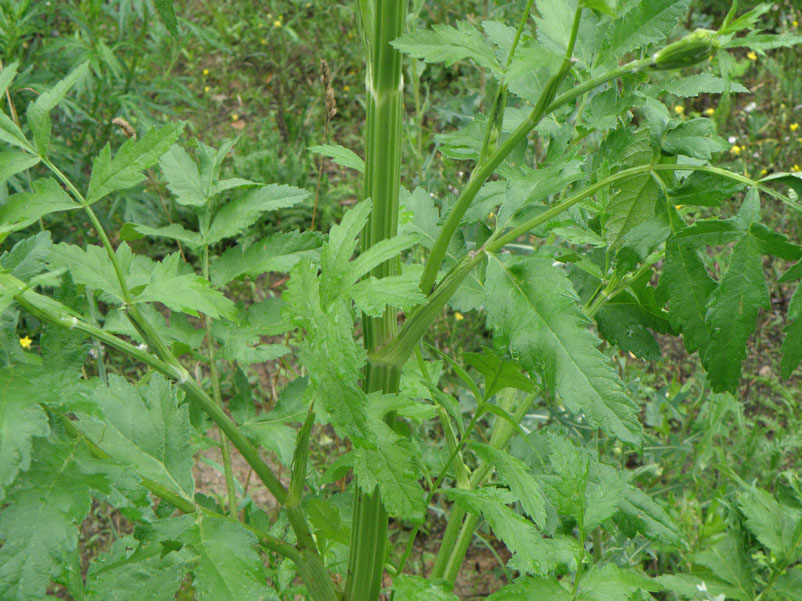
[[287, 75]]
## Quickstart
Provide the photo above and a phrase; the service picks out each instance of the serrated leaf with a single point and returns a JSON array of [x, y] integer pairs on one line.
[[241, 213], [533, 310], [184, 292], [732, 314], [694, 138], [373, 295], [447, 44], [625, 322], [11, 133], [174, 231], [40, 522], [183, 177], [90, 267], [647, 22], [129, 572], [415, 588], [773, 523], [39, 110], [278, 252], [687, 287], [701, 83], [789, 585], [26, 258], [125, 170], [792, 343], [13, 162], [532, 588], [534, 555], [727, 561], [633, 205], [383, 250], [340, 155], [165, 8], [336, 254], [24, 208], [607, 7], [21, 419], [608, 582], [499, 373], [515, 473], [653, 521], [705, 189]]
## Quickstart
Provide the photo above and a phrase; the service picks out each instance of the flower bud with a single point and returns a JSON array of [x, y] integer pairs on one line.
[[693, 48]]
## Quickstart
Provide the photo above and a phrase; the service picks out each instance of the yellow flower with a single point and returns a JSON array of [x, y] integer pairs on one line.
[[796, 168], [206, 89], [491, 215], [793, 126], [263, 41], [751, 55], [277, 23], [763, 172], [796, 23], [710, 111], [679, 109], [234, 117], [458, 316], [25, 342], [346, 88], [206, 71], [735, 149]]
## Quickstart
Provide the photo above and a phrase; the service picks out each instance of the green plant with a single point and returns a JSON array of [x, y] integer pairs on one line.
[[615, 190]]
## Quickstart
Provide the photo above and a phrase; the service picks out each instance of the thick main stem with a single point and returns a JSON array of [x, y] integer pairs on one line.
[[383, 21]]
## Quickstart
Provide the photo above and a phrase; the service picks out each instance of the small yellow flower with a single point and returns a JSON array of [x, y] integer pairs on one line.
[[25, 342], [763, 172], [751, 55], [277, 23], [796, 169], [793, 126], [679, 109], [206, 89], [206, 71], [491, 215], [263, 41], [796, 23], [458, 316], [735, 149], [234, 117], [710, 111], [346, 88]]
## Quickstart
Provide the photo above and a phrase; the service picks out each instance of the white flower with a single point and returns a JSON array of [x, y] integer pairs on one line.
[[732, 139], [702, 587], [750, 107]]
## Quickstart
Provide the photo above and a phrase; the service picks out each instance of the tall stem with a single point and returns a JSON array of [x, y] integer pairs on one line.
[[382, 21], [218, 398]]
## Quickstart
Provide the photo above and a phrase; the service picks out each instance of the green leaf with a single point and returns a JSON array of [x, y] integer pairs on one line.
[[340, 155], [144, 427], [702, 188], [373, 295], [7, 76], [517, 475], [533, 310], [625, 322], [21, 419], [773, 523], [13, 162], [11, 133], [792, 343], [278, 252], [335, 259], [732, 314], [183, 177], [24, 208], [125, 170], [415, 588], [91, 267], [165, 8], [534, 554], [26, 258], [633, 205], [700, 83], [532, 588], [653, 521], [391, 465], [447, 44], [607, 7], [686, 285], [499, 373], [789, 586], [184, 292], [174, 231], [727, 561], [40, 522], [382, 251], [694, 138], [647, 22], [608, 582], [39, 110], [241, 213], [131, 572]]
